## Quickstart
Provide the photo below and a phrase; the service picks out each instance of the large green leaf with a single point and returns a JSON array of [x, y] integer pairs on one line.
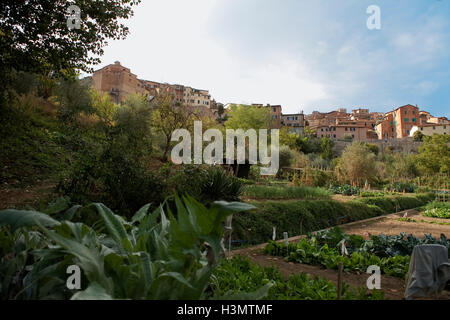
[[140, 214], [113, 224], [24, 218], [89, 259]]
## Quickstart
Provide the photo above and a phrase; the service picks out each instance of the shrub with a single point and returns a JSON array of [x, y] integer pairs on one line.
[[300, 217], [404, 186], [206, 183], [269, 192], [296, 217], [344, 189]]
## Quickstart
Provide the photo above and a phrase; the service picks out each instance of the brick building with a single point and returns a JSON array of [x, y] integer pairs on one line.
[[117, 81], [398, 123], [295, 122]]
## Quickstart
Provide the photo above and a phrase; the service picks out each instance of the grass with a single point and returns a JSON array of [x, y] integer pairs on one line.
[[279, 193]]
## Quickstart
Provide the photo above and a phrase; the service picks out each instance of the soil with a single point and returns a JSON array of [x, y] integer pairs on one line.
[[19, 198], [392, 287], [390, 225]]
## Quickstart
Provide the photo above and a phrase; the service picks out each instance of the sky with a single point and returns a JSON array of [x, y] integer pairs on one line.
[[305, 55]]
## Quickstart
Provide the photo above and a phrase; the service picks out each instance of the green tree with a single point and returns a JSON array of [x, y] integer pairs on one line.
[[434, 155], [356, 165], [248, 117], [326, 146], [418, 136], [34, 35], [167, 117], [286, 156]]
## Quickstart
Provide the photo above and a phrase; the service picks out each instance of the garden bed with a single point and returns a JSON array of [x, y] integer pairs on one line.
[[393, 287]]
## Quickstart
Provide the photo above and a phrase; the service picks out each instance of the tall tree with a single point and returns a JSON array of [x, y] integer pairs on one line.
[[168, 116], [356, 165], [35, 35], [248, 117], [434, 155]]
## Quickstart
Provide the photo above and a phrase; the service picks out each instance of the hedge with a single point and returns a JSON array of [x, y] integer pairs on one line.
[[303, 216]]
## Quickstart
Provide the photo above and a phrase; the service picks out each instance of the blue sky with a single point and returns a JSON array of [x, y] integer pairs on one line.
[[304, 55]]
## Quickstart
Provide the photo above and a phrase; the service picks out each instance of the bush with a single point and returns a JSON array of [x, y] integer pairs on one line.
[[206, 183], [301, 217], [404, 186], [269, 192], [296, 217], [286, 156], [114, 177], [344, 189]]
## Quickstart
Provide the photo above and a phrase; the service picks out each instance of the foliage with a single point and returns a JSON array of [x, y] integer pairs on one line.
[[206, 183], [434, 155], [315, 177], [373, 148], [344, 189], [168, 117], [356, 165], [326, 146], [248, 117], [301, 216], [269, 192], [418, 136], [308, 251], [437, 210], [59, 49], [239, 275], [156, 256], [404, 186], [286, 156]]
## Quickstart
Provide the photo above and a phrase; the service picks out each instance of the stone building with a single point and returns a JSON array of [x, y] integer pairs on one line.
[[117, 81], [295, 122]]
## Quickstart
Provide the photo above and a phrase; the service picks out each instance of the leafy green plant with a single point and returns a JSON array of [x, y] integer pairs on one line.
[[437, 210], [152, 256], [239, 275], [308, 251], [344, 189]]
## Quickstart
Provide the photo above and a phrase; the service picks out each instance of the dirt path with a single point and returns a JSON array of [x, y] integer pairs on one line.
[[392, 287]]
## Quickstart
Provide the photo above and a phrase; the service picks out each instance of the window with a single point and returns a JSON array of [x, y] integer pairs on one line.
[[274, 109], [413, 119], [353, 135], [406, 112], [346, 129], [406, 120], [321, 129], [434, 127], [274, 116], [407, 131], [334, 136], [414, 112]]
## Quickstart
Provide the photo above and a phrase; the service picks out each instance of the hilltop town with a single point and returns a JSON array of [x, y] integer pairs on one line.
[[358, 125]]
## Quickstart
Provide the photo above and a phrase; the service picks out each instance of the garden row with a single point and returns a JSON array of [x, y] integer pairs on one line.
[[301, 216], [325, 248]]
